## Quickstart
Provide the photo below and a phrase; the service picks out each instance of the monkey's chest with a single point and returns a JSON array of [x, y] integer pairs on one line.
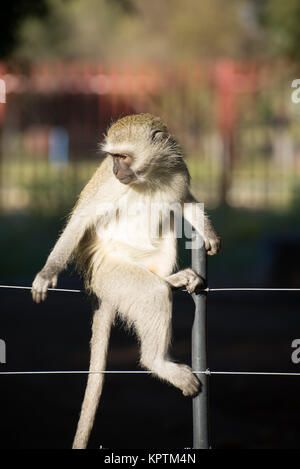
[[142, 233], [140, 230]]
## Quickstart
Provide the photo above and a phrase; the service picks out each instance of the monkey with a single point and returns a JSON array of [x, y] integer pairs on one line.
[[130, 273]]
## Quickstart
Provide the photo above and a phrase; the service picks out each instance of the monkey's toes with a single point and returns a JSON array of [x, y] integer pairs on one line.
[[190, 385], [194, 283], [192, 388]]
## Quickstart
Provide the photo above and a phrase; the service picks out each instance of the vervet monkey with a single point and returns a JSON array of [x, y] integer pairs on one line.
[[131, 275]]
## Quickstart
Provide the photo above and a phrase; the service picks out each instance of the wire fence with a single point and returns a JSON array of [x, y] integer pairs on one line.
[[201, 438], [207, 372]]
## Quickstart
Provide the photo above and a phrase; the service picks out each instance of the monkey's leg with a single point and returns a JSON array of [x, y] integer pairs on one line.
[[154, 330], [143, 299], [150, 312], [102, 321], [187, 278]]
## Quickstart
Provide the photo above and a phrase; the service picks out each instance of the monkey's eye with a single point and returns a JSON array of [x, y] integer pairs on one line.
[[126, 158], [118, 155]]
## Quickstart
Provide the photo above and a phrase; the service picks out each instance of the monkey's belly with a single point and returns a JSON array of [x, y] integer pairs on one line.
[[160, 260]]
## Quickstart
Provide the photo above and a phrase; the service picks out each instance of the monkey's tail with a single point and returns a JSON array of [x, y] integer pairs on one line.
[[102, 321]]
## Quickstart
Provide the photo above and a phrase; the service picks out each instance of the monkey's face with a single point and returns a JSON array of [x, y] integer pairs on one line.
[[142, 149], [122, 168]]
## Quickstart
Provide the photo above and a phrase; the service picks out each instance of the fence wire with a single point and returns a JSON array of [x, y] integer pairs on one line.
[[203, 372], [208, 290], [206, 372]]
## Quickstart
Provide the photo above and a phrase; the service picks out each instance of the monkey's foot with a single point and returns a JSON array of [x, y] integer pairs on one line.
[[185, 380], [193, 282], [187, 278], [180, 376]]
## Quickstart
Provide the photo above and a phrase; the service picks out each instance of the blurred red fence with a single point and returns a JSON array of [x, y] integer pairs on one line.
[[236, 122]]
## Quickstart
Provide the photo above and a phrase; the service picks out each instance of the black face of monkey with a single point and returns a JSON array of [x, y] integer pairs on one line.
[[121, 168]]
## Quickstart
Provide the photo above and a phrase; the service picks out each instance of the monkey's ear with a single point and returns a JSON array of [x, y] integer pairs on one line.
[[158, 134]]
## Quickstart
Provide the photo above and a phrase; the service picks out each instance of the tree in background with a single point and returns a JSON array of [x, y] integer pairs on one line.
[[131, 30], [135, 30], [280, 20]]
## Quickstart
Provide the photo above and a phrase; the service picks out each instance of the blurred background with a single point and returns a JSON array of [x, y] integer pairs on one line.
[[222, 76]]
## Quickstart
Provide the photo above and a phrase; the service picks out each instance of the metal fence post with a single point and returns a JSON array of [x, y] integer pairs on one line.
[[199, 354]]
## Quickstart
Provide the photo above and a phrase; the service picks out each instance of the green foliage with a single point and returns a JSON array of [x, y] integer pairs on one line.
[[36, 187], [135, 30], [131, 30], [281, 22]]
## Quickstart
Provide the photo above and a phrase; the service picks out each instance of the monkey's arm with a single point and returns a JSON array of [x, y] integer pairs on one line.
[[61, 253], [82, 217], [197, 218]]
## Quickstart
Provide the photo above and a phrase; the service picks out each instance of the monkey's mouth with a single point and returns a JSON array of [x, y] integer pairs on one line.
[[127, 179]]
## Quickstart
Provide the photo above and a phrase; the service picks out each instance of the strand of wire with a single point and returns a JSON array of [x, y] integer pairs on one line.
[[204, 372], [16, 287]]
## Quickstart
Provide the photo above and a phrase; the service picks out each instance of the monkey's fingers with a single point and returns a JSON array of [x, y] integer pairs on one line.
[[213, 246], [39, 289], [44, 293], [38, 295], [54, 282], [35, 296]]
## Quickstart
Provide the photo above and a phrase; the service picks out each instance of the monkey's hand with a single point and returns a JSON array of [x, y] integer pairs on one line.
[[212, 243], [41, 283]]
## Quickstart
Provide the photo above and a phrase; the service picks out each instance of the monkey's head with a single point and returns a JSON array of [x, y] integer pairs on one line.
[[142, 149]]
